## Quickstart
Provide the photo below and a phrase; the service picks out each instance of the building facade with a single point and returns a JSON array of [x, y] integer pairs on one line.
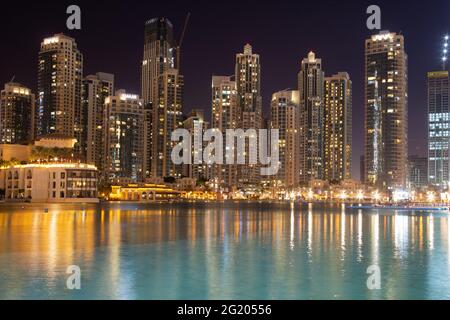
[[417, 172], [438, 128], [158, 56], [249, 102], [124, 137], [224, 116], [167, 116], [17, 108], [196, 124], [338, 128], [17, 152], [96, 88], [162, 94], [310, 86], [284, 117], [386, 111], [50, 183], [60, 74]]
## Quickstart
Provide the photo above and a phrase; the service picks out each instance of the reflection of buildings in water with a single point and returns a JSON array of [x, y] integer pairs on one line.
[[375, 232], [292, 229], [45, 243], [401, 234], [72, 229], [360, 236], [216, 237], [430, 232], [446, 238], [342, 217]]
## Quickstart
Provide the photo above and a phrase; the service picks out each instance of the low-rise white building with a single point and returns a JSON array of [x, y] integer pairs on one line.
[[65, 182]]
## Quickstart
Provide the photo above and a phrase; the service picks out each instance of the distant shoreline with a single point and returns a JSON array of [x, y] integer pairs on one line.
[[348, 204]]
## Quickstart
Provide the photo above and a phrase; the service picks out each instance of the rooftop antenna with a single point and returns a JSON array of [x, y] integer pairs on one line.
[[180, 42], [445, 52], [12, 79]]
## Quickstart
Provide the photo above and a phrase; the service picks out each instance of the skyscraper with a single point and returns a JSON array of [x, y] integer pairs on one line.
[[196, 122], [17, 107], [249, 101], [96, 88], [162, 94], [386, 108], [158, 56], [338, 127], [310, 84], [438, 128], [60, 73], [284, 117], [417, 172], [124, 137], [167, 116], [224, 116]]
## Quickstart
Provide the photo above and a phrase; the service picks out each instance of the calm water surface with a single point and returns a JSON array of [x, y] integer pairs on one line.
[[221, 251]]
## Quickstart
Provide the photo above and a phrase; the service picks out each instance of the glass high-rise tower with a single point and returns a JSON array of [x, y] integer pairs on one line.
[[310, 86], [96, 88], [158, 56], [386, 111], [60, 75], [284, 117], [17, 105], [224, 115], [162, 93], [438, 128], [124, 137], [249, 101], [338, 127]]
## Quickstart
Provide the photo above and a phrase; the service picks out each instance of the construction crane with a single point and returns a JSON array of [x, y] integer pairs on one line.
[[180, 42]]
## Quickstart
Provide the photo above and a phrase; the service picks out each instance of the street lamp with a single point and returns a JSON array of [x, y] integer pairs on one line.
[[360, 195], [430, 196], [376, 196]]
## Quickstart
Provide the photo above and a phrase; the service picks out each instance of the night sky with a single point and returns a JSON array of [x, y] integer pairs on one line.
[[281, 32]]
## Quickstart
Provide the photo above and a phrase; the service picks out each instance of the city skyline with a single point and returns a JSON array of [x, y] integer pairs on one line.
[[248, 150], [347, 58]]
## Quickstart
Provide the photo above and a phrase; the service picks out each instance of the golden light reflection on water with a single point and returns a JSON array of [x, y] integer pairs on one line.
[[330, 238]]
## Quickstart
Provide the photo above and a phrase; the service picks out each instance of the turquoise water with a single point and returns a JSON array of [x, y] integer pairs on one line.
[[221, 251]]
